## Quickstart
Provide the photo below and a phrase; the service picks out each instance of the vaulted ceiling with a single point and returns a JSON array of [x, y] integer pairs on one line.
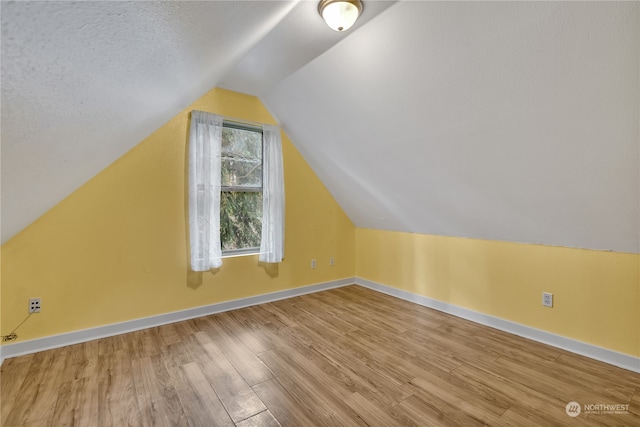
[[500, 120]]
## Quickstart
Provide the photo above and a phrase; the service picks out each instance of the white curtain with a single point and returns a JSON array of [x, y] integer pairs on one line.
[[204, 190], [272, 243]]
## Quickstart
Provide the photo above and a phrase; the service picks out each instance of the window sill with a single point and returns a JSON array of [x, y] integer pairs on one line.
[[232, 255]]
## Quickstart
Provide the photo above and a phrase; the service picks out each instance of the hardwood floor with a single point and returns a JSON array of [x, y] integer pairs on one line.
[[344, 357]]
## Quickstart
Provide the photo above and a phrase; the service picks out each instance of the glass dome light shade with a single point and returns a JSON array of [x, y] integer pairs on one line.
[[340, 15]]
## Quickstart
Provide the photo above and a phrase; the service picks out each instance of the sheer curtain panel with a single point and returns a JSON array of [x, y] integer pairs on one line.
[[272, 242], [204, 190]]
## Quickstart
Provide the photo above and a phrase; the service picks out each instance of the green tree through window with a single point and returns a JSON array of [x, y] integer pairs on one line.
[[241, 191]]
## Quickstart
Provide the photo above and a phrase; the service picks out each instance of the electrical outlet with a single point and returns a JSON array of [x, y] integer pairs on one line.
[[313, 263], [332, 261], [547, 299], [35, 305]]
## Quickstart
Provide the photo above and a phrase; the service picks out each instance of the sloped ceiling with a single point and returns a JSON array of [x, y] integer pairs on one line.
[[84, 82], [500, 120], [298, 39]]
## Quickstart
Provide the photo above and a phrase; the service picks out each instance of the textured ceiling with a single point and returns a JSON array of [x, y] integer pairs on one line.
[[82, 83], [499, 120], [511, 121]]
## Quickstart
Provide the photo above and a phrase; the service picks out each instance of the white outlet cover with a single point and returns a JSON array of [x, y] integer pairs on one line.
[[547, 299], [35, 304]]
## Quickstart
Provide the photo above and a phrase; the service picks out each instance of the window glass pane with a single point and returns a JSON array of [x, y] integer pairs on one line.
[[241, 158], [240, 219]]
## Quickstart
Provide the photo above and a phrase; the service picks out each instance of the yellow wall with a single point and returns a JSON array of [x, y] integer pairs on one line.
[[596, 293], [116, 249]]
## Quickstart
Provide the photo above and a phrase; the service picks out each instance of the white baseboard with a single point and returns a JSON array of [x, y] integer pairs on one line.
[[589, 350], [69, 338]]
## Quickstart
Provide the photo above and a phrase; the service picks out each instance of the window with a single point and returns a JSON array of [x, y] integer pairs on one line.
[[241, 189], [236, 191]]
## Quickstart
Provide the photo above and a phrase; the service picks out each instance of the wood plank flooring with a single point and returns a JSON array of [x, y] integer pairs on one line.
[[344, 357]]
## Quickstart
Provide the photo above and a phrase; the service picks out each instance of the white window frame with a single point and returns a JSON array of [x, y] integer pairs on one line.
[[252, 128]]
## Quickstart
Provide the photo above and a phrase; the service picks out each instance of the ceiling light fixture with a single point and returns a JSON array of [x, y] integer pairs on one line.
[[340, 15]]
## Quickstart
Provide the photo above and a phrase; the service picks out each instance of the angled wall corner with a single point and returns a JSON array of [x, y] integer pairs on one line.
[[116, 249]]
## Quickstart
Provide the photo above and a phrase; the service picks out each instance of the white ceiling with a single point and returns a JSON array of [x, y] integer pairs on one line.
[[84, 82], [498, 120], [299, 38], [501, 120]]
